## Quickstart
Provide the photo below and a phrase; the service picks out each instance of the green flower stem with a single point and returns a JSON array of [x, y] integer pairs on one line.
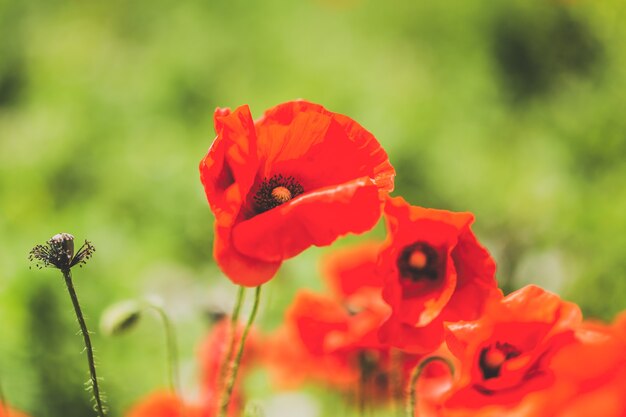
[[360, 393], [230, 383], [172, 348], [411, 399], [88, 347], [234, 319], [395, 385]]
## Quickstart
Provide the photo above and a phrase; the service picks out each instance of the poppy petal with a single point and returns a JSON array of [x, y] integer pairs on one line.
[[241, 269], [306, 140], [229, 168], [315, 218], [349, 270], [412, 339]]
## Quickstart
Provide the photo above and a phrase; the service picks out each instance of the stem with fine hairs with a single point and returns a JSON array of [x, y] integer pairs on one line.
[[172, 349], [234, 319], [411, 399], [232, 377], [99, 404]]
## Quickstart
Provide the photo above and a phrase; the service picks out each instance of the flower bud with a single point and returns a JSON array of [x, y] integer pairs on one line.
[[120, 317]]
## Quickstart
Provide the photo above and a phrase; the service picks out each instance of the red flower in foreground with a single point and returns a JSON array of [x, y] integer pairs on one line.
[[590, 373], [297, 177], [434, 271], [582, 374], [506, 355]]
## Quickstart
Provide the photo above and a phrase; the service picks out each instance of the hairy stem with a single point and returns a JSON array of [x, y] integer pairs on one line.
[[234, 318], [172, 349], [88, 347], [411, 399], [395, 384], [232, 377]]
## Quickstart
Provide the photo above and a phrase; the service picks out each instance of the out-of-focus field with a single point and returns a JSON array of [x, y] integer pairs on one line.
[[512, 110]]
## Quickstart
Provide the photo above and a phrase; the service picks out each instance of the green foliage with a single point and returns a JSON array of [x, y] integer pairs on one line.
[[510, 110]]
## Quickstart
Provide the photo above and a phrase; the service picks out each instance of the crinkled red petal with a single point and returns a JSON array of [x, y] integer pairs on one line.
[[241, 269], [419, 340], [319, 148], [349, 270], [314, 218]]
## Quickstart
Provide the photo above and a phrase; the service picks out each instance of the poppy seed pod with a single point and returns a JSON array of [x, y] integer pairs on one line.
[[58, 253]]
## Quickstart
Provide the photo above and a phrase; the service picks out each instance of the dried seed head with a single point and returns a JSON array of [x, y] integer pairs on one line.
[[58, 253], [65, 241]]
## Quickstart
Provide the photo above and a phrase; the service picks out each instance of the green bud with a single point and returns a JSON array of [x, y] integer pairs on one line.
[[120, 317]]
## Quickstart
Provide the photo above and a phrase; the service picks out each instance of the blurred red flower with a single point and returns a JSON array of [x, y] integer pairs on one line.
[[211, 355], [506, 356], [291, 364], [333, 338], [165, 404], [590, 373], [351, 270], [434, 271], [5, 411], [298, 176]]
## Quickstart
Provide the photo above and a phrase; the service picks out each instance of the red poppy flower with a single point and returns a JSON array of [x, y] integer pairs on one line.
[[5, 411], [325, 340], [336, 333], [434, 270], [340, 340], [506, 355], [299, 176], [293, 361], [291, 364], [590, 373]]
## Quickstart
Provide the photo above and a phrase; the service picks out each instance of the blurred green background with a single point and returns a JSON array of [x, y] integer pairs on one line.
[[512, 110]]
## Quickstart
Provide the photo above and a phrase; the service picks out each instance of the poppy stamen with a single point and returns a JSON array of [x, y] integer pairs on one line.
[[281, 194], [493, 357], [417, 261], [276, 191]]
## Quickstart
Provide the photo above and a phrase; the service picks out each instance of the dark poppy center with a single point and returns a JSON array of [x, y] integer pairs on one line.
[[368, 363], [418, 261], [276, 191], [494, 356]]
